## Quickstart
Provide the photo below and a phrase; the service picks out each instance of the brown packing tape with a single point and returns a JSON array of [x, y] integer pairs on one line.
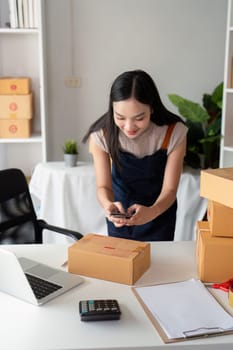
[[230, 296]]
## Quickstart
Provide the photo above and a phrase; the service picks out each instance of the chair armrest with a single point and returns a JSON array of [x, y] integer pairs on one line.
[[73, 234]]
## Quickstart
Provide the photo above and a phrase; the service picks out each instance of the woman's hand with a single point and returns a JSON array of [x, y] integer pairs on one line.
[[115, 207], [141, 214]]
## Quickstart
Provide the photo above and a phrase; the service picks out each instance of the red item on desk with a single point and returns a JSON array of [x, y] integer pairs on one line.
[[224, 285]]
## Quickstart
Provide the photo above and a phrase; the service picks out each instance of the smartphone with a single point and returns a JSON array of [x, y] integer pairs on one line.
[[121, 215]]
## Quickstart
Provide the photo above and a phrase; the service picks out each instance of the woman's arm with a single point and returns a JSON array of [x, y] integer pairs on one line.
[[171, 179], [102, 165]]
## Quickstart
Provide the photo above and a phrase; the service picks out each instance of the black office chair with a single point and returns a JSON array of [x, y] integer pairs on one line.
[[18, 220]]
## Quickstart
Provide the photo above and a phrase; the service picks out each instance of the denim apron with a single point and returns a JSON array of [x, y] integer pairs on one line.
[[140, 181]]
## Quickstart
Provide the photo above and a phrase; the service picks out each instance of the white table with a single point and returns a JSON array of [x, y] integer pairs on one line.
[[56, 325], [191, 207], [67, 198]]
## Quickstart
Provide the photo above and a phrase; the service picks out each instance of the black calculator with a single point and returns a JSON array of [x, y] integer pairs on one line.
[[99, 310]]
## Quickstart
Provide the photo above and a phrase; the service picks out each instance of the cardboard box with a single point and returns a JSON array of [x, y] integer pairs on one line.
[[217, 185], [220, 218], [230, 296], [13, 129], [12, 86], [214, 257], [16, 106], [109, 258], [200, 227]]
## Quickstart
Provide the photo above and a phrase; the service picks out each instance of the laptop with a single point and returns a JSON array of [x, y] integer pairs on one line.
[[31, 281]]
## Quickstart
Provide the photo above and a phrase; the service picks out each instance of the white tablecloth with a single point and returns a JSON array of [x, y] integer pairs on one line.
[[66, 197], [191, 207]]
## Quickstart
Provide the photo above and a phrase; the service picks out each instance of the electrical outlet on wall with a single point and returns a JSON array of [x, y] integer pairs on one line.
[[72, 82]]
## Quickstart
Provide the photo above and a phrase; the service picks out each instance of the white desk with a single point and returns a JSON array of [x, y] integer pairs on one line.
[[56, 325], [67, 198]]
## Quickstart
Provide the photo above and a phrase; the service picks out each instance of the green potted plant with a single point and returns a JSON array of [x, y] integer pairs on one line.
[[70, 149], [204, 123]]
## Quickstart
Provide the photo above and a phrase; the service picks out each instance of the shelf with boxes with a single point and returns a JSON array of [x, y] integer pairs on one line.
[[22, 143], [16, 111], [215, 236]]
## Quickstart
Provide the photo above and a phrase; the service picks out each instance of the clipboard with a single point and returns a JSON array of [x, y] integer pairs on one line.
[[205, 296]]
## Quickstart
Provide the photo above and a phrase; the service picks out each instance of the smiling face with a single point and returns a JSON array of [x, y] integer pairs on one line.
[[131, 117]]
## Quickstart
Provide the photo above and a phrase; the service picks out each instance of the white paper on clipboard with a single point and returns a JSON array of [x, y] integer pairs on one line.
[[185, 309]]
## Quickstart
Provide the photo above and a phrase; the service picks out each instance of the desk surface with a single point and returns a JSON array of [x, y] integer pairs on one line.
[[56, 325]]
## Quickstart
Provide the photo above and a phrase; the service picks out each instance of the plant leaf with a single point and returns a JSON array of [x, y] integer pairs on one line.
[[190, 110], [214, 128], [217, 95], [210, 106], [70, 147], [176, 99], [193, 112], [211, 139]]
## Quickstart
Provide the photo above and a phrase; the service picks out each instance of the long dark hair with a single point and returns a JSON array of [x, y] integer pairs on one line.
[[139, 85]]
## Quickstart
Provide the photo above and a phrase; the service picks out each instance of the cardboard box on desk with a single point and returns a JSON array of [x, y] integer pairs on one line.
[[16, 106], [109, 258], [18, 128], [217, 185], [12, 85], [220, 219], [201, 226], [214, 257]]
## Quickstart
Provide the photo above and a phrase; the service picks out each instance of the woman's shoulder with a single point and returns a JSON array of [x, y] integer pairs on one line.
[[179, 126], [178, 135], [99, 139], [160, 130]]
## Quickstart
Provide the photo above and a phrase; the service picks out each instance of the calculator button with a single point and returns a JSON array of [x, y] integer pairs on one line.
[[91, 307]]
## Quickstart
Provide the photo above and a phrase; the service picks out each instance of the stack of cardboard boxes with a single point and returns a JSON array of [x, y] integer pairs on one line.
[[16, 107], [215, 236]]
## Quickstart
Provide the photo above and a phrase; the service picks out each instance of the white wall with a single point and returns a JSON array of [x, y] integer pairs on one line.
[[181, 43]]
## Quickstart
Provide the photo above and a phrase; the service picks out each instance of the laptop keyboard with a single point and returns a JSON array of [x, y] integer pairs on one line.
[[40, 287]]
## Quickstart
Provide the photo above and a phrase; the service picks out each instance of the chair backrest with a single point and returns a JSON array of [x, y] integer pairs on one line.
[[18, 221]]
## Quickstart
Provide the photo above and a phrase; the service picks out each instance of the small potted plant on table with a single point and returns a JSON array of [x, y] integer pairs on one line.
[[70, 150]]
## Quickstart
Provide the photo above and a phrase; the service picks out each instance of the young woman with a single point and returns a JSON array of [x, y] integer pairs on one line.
[[138, 148]]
